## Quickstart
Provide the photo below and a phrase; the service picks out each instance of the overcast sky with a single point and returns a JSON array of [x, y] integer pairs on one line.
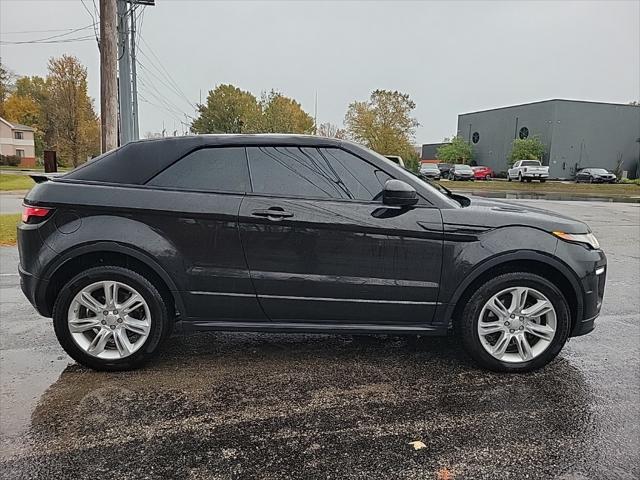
[[450, 57]]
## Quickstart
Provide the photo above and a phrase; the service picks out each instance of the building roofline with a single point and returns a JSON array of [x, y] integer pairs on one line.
[[6, 122], [548, 101]]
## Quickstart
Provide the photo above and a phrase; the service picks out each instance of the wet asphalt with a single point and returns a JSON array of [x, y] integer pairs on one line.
[[222, 406]]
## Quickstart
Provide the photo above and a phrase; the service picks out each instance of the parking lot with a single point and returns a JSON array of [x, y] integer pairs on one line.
[[219, 405]]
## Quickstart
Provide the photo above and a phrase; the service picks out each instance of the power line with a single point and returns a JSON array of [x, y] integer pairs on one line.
[[41, 42], [94, 19], [45, 39], [166, 72]]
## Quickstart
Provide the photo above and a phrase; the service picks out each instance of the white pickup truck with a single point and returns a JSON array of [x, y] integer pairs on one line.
[[528, 170]]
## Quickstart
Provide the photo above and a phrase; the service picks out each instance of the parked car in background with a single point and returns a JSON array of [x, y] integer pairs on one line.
[[292, 233], [430, 170], [396, 159], [461, 172], [482, 173], [595, 175], [444, 169], [528, 170]]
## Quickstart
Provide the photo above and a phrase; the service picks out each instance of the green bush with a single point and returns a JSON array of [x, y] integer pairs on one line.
[[9, 160], [635, 181]]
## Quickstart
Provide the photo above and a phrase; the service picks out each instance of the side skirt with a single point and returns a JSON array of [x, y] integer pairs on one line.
[[334, 328]]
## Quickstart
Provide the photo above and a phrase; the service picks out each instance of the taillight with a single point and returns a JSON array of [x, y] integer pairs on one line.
[[34, 214]]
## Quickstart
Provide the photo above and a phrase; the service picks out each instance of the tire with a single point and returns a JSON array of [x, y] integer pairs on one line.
[[467, 325], [528, 180], [542, 180], [508, 178], [520, 177], [487, 178], [160, 324]]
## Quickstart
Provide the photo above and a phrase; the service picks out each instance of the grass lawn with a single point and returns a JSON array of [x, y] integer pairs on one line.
[[8, 224], [622, 189], [9, 181]]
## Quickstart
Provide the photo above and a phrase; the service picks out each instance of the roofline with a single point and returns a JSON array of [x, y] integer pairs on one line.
[[547, 101], [7, 122]]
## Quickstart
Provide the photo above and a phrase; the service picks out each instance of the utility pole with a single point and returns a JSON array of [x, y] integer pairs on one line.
[[134, 77], [108, 76], [124, 74]]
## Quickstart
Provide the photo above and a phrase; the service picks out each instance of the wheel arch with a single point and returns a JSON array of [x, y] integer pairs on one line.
[[108, 253], [533, 262]]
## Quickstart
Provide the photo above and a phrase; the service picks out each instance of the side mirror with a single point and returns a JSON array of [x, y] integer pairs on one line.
[[399, 193]]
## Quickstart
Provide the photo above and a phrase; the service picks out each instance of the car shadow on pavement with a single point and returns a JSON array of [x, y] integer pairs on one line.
[[220, 405]]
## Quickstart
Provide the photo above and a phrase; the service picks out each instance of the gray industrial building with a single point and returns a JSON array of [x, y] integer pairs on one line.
[[576, 135]]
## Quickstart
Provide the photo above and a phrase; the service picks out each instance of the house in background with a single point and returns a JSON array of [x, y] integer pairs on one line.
[[17, 140]]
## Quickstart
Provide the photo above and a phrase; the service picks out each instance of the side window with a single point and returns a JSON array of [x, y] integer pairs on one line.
[[209, 169], [359, 180], [311, 172]]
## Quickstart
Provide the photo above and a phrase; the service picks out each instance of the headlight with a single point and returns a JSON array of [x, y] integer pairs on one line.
[[583, 238]]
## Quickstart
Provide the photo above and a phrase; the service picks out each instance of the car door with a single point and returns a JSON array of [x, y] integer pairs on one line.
[[321, 246], [198, 213]]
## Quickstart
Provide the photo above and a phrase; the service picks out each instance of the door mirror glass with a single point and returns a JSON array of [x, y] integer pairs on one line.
[[399, 193]]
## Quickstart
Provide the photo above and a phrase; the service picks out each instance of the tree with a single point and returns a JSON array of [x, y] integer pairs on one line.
[[282, 114], [526, 149], [330, 130], [456, 151], [76, 128], [228, 110], [6, 86], [384, 123]]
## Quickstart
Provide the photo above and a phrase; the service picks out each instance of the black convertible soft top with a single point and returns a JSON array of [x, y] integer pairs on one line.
[[136, 162]]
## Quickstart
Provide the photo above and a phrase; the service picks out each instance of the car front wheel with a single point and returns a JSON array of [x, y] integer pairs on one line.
[[516, 322], [110, 318]]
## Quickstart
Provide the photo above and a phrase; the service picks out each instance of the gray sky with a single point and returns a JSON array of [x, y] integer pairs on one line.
[[450, 57]]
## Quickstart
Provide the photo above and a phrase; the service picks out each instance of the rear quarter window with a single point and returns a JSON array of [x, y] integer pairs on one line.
[[209, 169]]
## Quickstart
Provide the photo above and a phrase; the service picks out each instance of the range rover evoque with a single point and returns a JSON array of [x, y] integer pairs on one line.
[[286, 233]]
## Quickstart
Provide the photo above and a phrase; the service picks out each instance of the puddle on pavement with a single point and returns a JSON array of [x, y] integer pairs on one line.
[[244, 402]]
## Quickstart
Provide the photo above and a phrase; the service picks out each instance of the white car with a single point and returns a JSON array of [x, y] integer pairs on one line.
[[528, 170]]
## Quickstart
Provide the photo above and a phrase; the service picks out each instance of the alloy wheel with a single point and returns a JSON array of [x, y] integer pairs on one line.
[[517, 324], [109, 320]]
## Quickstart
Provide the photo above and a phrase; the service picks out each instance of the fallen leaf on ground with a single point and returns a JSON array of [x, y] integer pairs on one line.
[[417, 445]]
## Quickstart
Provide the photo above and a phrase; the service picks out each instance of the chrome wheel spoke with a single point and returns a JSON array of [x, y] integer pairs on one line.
[[122, 342], [544, 332], [501, 345], [541, 307], [134, 302], [518, 299], [79, 325], [110, 293], [497, 307], [141, 327], [99, 342], [487, 328], [524, 348], [90, 303]]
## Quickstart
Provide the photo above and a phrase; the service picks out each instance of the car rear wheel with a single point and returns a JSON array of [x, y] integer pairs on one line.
[[516, 322], [487, 177], [110, 318], [520, 177]]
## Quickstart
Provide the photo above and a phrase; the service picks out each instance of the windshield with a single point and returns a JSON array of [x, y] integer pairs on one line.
[[463, 168], [599, 171], [429, 166], [530, 163]]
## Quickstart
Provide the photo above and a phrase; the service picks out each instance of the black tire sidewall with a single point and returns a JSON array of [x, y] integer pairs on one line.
[[157, 308], [470, 317]]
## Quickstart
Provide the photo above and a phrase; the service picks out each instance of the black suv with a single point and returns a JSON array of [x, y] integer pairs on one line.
[[295, 234]]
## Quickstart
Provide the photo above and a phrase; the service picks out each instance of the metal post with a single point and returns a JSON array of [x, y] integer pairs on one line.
[[124, 71], [134, 78], [108, 76]]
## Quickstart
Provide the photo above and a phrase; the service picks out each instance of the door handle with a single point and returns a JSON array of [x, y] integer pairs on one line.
[[273, 213]]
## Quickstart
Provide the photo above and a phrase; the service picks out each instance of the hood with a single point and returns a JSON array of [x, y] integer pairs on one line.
[[496, 213]]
